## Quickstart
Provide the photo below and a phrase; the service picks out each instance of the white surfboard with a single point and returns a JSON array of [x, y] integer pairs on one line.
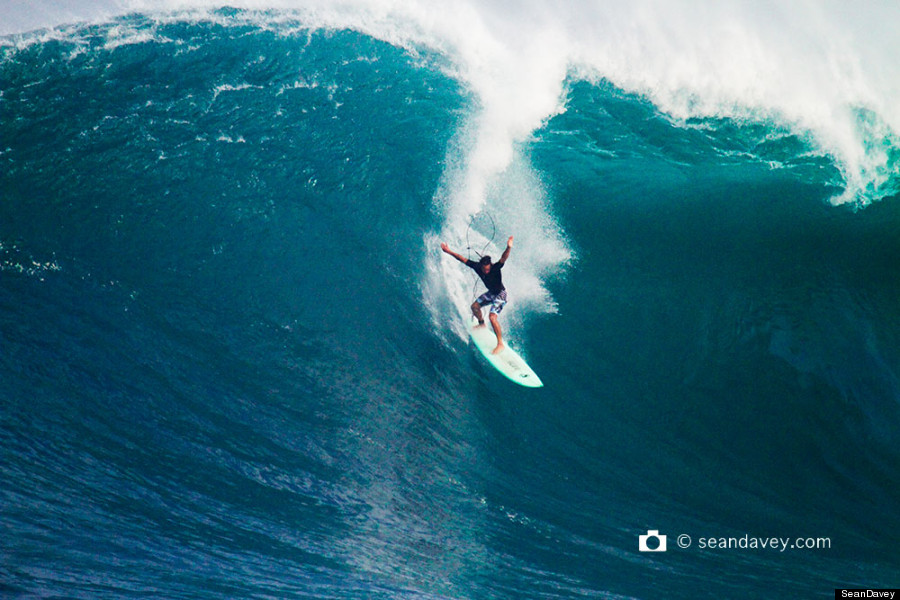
[[507, 361]]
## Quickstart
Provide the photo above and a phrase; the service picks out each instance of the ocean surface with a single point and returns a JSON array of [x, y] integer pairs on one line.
[[232, 356]]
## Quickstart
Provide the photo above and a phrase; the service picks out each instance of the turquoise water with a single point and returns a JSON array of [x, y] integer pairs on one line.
[[231, 362]]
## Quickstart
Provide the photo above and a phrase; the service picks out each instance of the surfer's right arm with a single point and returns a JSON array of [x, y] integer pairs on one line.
[[455, 255]]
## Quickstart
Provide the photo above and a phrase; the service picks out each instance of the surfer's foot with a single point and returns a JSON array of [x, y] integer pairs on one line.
[[480, 325], [498, 349]]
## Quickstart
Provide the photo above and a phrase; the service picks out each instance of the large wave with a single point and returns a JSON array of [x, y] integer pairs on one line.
[[226, 368], [823, 72]]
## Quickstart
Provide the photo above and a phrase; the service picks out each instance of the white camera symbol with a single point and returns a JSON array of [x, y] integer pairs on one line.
[[652, 533]]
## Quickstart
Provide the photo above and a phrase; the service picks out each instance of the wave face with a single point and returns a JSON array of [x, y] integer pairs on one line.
[[232, 363]]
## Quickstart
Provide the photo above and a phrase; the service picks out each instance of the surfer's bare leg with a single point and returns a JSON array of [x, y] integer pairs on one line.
[[476, 310], [495, 321]]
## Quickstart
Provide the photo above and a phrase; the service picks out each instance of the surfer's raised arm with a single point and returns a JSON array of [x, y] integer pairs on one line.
[[505, 254], [455, 255]]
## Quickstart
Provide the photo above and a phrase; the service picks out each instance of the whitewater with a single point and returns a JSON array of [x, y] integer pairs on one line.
[[233, 359]]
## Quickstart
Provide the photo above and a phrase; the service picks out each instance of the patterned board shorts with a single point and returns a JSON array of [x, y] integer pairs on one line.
[[497, 301]]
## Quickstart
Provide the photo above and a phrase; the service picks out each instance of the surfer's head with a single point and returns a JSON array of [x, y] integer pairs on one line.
[[485, 263]]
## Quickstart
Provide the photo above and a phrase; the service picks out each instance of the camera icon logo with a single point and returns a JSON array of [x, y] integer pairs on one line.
[[657, 546]]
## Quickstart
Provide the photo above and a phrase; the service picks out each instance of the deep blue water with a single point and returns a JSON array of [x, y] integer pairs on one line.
[[226, 371]]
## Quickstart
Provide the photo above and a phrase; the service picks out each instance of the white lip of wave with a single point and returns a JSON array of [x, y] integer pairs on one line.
[[811, 65], [814, 66]]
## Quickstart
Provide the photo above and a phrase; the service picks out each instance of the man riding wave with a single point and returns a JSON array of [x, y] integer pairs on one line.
[[492, 277]]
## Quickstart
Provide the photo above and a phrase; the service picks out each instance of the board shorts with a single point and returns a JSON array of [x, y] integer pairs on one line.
[[497, 301]]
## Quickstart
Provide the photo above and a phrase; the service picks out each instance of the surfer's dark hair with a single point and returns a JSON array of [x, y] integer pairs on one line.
[[485, 260]]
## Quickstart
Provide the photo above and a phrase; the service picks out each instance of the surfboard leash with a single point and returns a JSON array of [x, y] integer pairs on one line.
[[493, 234], [480, 254]]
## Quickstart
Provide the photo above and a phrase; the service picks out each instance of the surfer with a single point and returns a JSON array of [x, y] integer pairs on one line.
[[496, 293]]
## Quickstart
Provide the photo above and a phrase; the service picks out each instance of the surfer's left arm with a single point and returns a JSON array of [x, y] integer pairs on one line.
[[505, 254]]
